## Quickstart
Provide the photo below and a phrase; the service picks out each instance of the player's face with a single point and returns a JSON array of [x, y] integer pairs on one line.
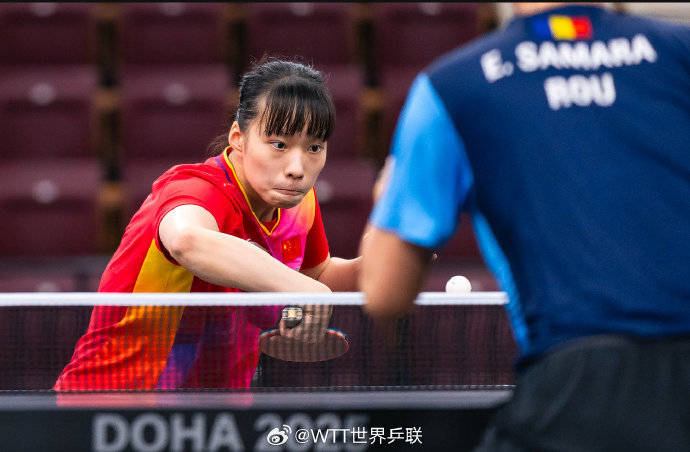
[[281, 169]]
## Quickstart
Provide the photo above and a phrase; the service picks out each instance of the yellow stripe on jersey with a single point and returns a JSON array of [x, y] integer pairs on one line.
[[158, 274], [147, 333]]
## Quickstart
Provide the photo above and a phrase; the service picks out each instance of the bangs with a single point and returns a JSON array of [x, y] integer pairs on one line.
[[291, 105]]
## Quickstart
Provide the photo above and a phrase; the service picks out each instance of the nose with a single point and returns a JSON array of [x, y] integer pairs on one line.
[[295, 165]]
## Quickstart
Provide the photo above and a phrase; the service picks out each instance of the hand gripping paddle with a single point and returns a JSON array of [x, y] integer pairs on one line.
[[333, 344]]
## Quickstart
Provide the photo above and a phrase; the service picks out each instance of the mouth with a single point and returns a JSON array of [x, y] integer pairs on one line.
[[289, 192]]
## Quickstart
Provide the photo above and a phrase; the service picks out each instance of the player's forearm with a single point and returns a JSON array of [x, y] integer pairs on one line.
[[342, 275], [228, 261], [390, 290]]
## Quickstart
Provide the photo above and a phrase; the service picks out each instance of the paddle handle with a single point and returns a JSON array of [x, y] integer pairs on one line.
[[292, 316]]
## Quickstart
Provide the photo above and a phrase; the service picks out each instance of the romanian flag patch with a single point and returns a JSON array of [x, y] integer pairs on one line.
[[563, 28]]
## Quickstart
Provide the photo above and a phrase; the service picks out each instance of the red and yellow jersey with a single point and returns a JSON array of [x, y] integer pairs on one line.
[[195, 347]]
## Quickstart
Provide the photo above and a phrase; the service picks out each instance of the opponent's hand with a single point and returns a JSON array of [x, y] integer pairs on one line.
[[315, 319]]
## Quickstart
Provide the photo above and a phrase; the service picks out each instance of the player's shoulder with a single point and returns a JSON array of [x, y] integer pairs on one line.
[[205, 181], [655, 24], [192, 172], [195, 178], [661, 31]]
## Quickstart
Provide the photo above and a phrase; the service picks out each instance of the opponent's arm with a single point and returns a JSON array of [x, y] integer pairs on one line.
[[423, 190], [391, 289], [191, 236]]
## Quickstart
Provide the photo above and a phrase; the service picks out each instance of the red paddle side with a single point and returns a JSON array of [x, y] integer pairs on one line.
[[334, 344]]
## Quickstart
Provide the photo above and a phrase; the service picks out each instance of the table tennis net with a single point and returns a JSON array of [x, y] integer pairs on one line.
[[145, 344]]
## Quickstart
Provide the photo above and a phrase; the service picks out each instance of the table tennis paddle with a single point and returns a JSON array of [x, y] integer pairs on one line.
[[333, 344]]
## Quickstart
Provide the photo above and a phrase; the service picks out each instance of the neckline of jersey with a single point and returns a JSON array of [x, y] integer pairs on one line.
[[244, 193]]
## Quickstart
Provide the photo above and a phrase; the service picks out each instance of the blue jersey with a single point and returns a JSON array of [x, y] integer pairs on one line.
[[566, 136]]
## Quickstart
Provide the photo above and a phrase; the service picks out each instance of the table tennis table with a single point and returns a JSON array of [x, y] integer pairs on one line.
[[299, 420]]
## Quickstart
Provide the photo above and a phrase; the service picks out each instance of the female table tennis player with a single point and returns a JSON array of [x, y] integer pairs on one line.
[[198, 231]]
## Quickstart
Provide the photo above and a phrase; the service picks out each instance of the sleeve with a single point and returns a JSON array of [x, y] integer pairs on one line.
[[316, 249], [195, 191], [431, 175]]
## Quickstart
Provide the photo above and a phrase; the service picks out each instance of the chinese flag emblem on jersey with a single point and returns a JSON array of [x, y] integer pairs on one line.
[[292, 249]]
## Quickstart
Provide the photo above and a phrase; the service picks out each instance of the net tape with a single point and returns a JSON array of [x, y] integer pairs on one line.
[[235, 299]]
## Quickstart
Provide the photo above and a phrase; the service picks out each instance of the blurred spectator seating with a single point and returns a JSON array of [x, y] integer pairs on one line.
[[171, 112], [50, 123], [36, 282], [344, 193], [51, 273], [173, 79], [47, 111], [138, 177], [409, 36], [49, 206], [346, 86], [169, 116], [52, 281], [172, 94], [413, 34], [171, 33], [173, 86], [463, 245], [321, 33], [46, 33], [395, 83]]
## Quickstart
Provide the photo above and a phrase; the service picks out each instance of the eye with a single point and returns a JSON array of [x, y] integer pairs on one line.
[[279, 145], [315, 148]]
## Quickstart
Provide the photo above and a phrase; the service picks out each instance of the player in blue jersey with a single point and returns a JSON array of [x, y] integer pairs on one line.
[[566, 136]]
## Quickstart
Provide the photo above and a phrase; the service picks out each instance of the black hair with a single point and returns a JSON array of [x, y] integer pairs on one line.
[[294, 95]]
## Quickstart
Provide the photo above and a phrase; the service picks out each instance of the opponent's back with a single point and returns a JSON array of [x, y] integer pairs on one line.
[[575, 129]]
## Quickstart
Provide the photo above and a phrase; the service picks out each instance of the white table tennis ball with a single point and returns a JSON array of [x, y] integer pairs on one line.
[[458, 284]]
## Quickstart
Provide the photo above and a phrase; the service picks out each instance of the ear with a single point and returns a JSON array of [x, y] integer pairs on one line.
[[236, 138]]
